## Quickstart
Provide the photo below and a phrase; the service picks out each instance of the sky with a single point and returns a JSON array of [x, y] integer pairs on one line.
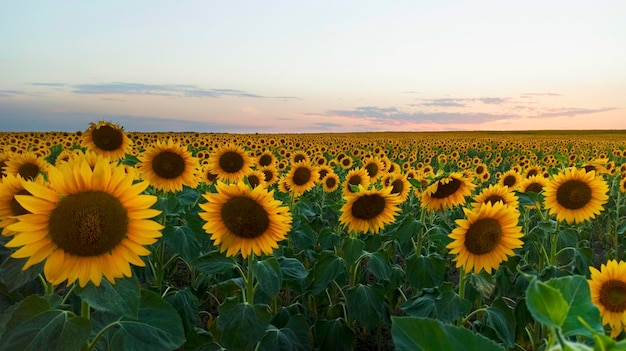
[[313, 66]]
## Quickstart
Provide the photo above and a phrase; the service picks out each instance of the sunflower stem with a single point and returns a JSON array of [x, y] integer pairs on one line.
[[462, 282], [249, 280], [47, 286], [617, 220], [92, 344], [553, 243], [85, 309]]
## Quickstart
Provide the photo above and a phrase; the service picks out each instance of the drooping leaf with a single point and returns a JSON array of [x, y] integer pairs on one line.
[[241, 325], [121, 298], [292, 268], [187, 305], [415, 333], [501, 319], [425, 271], [366, 304], [327, 268], [333, 334], [546, 304], [213, 263], [268, 275], [575, 291], [378, 265]]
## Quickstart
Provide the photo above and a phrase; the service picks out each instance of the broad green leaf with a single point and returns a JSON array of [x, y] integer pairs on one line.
[[292, 268], [241, 325], [158, 327], [446, 307], [49, 330], [12, 275], [187, 306], [213, 263], [328, 268], [352, 249], [121, 298], [407, 230], [268, 275], [378, 264], [366, 304], [425, 271], [283, 339], [333, 335], [22, 311], [414, 333], [501, 319], [546, 304], [181, 240], [575, 291]]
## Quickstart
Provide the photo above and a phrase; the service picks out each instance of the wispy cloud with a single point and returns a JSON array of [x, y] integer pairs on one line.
[[394, 114], [570, 112], [46, 84], [11, 93], [461, 102]]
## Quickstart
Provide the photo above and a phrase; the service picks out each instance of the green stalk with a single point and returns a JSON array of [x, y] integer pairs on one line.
[[249, 281], [92, 344], [85, 309], [47, 286], [553, 242]]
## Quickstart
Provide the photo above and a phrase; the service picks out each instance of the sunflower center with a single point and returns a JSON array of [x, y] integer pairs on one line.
[[368, 206], [483, 236], [90, 223], [298, 158], [372, 169], [531, 173], [355, 180], [28, 170], [269, 176], [480, 170], [573, 194], [509, 180], [301, 176], [447, 189], [16, 208], [613, 296], [168, 165], [107, 138], [398, 186], [265, 160], [254, 181], [330, 182], [231, 162], [534, 187], [244, 217], [494, 199]]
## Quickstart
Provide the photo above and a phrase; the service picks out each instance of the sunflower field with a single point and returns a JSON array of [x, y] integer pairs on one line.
[[116, 240]]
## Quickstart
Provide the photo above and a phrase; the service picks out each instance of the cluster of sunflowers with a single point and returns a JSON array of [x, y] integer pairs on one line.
[[91, 214]]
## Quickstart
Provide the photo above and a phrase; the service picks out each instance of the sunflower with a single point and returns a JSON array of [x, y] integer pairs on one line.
[[107, 139], [4, 157], [10, 186], [301, 177], [270, 174], [447, 192], [265, 159], [322, 171], [374, 168], [369, 210], [622, 184], [230, 162], [496, 193], [245, 220], [533, 184], [255, 178], [576, 195], [355, 177], [28, 165], [88, 224], [486, 237], [398, 183], [608, 292], [300, 156], [330, 182], [168, 166], [511, 178]]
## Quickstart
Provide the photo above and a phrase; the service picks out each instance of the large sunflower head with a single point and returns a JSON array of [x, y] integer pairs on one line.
[[86, 225], [576, 195], [230, 162], [302, 177], [608, 292], [28, 165], [369, 210], [399, 184], [496, 193], [107, 139], [168, 166], [240, 219], [447, 192], [486, 237]]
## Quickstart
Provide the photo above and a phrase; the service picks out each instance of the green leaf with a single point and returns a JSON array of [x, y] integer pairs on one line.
[[22, 311], [48, 330], [407, 230], [188, 307], [366, 304], [352, 249], [182, 240], [276, 339], [425, 271], [12, 275], [268, 275], [213, 263], [158, 327], [378, 264], [292, 268], [121, 298], [446, 307], [328, 268], [501, 319], [414, 333], [575, 291], [241, 325], [333, 335], [546, 304]]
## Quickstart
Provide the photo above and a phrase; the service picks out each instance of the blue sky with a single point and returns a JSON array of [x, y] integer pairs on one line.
[[323, 66]]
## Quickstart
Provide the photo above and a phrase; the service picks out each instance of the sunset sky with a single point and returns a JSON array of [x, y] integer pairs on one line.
[[313, 66]]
